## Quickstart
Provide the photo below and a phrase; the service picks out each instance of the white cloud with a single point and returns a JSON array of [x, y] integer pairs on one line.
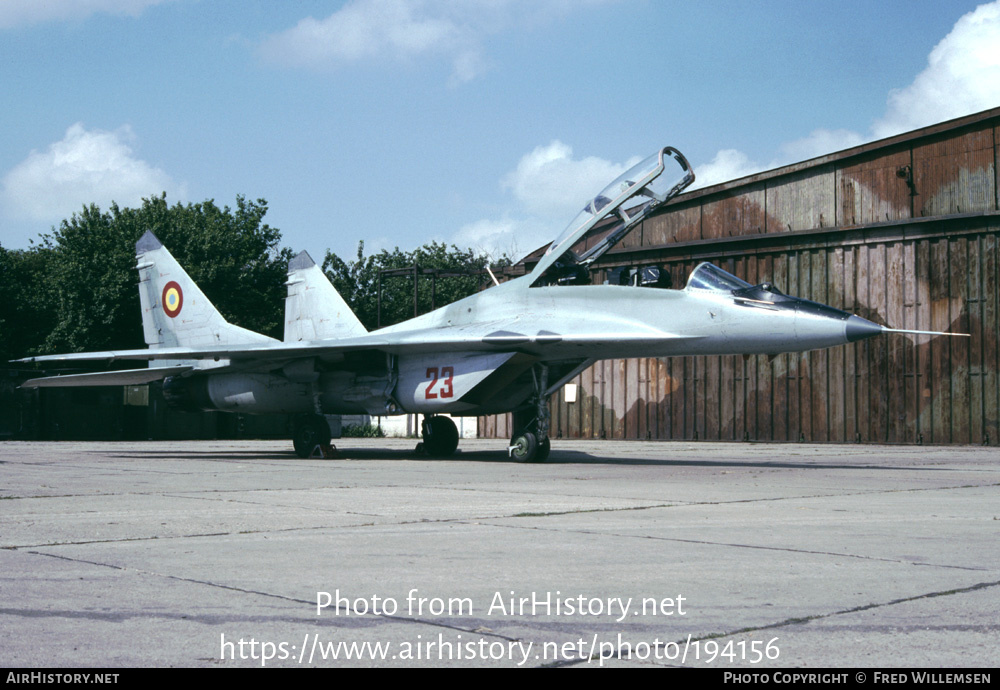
[[962, 77], [84, 167], [26, 12], [366, 29], [819, 143], [494, 237], [549, 182], [362, 29], [728, 164], [404, 30], [548, 187]]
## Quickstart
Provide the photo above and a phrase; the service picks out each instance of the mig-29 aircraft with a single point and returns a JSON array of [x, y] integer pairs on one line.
[[507, 348]]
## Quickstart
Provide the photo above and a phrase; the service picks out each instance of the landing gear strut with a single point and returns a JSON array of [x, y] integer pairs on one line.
[[530, 442], [440, 436], [309, 431]]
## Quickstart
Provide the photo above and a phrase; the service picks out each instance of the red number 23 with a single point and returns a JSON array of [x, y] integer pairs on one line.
[[445, 390]]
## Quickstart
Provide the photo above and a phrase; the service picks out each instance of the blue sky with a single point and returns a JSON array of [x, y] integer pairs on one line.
[[482, 123]]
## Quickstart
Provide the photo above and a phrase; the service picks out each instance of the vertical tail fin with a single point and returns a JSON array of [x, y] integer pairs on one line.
[[175, 312], [314, 310]]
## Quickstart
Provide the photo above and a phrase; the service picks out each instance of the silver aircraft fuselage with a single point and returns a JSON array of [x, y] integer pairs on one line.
[[612, 321]]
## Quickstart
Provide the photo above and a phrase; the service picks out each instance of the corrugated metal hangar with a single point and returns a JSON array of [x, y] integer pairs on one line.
[[901, 231]]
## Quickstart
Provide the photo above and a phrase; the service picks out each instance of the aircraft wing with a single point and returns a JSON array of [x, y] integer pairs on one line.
[[124, 377], [411, 341]]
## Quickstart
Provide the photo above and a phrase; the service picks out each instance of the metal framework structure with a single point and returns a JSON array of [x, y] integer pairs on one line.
[[416, 273]]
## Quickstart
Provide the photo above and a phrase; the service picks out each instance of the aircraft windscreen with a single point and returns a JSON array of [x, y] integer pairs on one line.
[[706, 276]]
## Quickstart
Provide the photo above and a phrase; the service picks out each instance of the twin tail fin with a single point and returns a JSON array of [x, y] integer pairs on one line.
[[175, 312]]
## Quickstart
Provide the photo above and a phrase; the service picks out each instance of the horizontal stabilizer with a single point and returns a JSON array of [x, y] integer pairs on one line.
[[124, 377]]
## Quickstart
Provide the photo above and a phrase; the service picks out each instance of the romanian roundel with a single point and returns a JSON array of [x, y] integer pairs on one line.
[[173, 299]]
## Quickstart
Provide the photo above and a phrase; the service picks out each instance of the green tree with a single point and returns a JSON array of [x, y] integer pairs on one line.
[[76, 290], [26, 312], [357, 280]]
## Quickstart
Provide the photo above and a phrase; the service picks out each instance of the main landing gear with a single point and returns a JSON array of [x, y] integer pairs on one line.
[[309, 431], [530, 442], [440, 436]]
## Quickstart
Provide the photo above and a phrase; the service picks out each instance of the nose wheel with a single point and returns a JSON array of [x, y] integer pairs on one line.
[[530, 442], [525, 447]]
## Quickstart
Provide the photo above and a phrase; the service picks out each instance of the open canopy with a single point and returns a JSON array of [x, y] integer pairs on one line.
[[605, 220]]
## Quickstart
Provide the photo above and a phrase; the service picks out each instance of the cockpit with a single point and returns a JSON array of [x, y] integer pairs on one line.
[[707, 276]]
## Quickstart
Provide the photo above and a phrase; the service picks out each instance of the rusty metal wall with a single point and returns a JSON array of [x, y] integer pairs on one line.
[[905, 233]]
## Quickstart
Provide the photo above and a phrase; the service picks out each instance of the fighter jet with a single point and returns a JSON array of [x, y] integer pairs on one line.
[[504, 349]]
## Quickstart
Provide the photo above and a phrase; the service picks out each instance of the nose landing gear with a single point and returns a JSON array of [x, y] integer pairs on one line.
[[525, 447], [530, 442]]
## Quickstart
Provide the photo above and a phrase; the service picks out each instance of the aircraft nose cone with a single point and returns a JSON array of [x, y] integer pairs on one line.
[[859, 329]]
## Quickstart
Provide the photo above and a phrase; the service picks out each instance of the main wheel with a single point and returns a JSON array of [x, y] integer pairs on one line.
[[440, 436], [524, 447], [310, 431]]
